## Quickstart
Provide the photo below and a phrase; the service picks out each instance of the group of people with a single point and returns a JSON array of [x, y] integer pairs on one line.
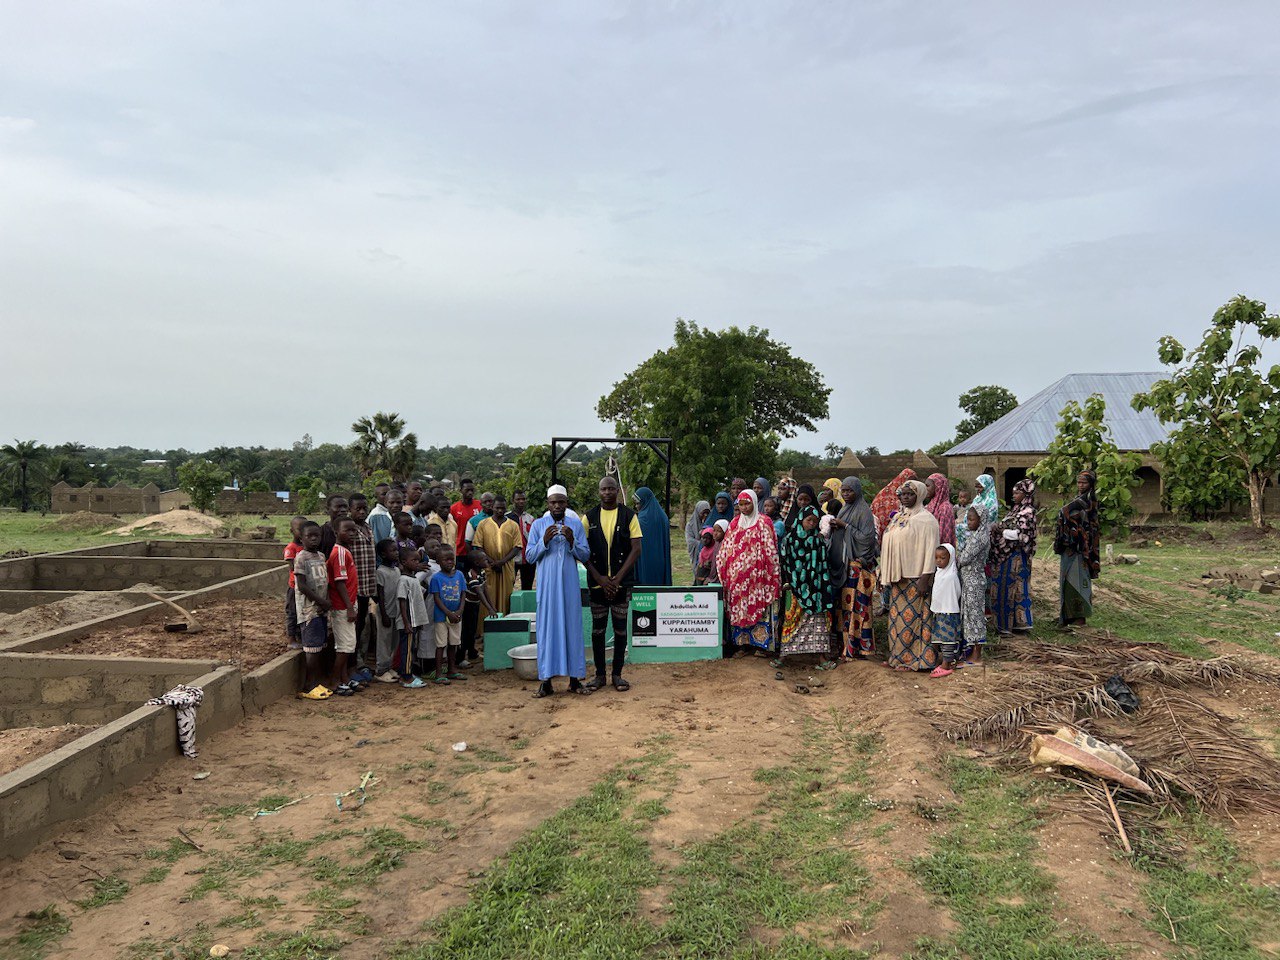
[[803, 571], [399, 593]]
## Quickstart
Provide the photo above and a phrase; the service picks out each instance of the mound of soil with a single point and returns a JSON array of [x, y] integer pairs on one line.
[[187, 523], [21, 745], [73, 609], [1169, 533], [81, 520], [1247, 533]]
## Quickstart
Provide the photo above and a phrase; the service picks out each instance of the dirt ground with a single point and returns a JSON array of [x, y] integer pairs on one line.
[[21, 745], [244, 632], [526, 760]]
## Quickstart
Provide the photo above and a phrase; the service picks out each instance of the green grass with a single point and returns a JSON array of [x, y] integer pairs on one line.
[[110, 889], [573, 886], [41, 929], [985, 871], [41, 534], [1203, 896]]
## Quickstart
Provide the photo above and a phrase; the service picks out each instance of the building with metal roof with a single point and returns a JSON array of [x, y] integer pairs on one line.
[[1017, 441]]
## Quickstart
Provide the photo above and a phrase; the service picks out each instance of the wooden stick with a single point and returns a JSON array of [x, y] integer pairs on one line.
[[1124, 838], [189, 840]]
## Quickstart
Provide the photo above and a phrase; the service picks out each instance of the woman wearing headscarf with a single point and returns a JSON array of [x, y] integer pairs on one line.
[[807, 625], [654, 566], [885, 503], [907, 566], [762, 488], [1076, 543], [984, 493], [805, 497], [938, 489], [693, 530], [852, 555], [748, 568], [830, 497], [1013, 546], [972, 562], [721, 509]]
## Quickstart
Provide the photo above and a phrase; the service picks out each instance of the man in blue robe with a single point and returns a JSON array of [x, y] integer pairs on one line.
[[556, 543]]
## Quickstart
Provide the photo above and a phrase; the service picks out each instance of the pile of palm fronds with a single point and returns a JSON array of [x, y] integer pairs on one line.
[[1185, 749]]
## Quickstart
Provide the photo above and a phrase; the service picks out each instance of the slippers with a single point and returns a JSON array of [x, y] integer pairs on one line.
[[621, 685], [318, 692], [595, 683], [544, 690], [940, 671], [581, 689]]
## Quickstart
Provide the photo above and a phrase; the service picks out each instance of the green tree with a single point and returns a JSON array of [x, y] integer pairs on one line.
[[1084, 443], [201, 480], [725, 397], [1220, 391], [306, 496], [368, 484], [984, 406], [382, 444], [1197, 478], [257, 486], [23, 462]]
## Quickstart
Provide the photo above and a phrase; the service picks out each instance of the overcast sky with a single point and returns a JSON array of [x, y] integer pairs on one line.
[[239, 222]]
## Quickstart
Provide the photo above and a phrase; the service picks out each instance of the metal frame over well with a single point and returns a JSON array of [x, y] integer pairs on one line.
[[650, 442]]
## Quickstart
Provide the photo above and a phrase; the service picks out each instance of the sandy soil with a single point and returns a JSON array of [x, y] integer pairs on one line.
[[245, 632], [24, 744], [728, 718], [73, 609], [181, 522], [82, 520]]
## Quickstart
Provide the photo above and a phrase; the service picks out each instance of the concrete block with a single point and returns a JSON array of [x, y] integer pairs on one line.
[[37, 717], [67, 690], [134, 690], [16, 690], [79, 781], [1266, 587], [1271, 576], [23, 810], [131, 745], [1256, 586]]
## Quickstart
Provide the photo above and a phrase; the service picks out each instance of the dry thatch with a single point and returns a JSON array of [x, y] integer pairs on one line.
[[1185, 749]]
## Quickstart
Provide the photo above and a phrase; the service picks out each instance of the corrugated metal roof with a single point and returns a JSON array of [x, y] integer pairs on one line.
[[1031, 426]]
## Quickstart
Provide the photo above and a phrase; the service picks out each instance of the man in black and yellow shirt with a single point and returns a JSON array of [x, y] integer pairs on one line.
[[613, 534]]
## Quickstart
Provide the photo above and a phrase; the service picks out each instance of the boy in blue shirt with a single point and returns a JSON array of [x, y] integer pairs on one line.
[[448, 588]]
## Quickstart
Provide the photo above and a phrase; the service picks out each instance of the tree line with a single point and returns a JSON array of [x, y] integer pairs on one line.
[[730, 399]]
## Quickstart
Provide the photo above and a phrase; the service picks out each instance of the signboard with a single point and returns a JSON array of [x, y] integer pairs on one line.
[[675, 618]]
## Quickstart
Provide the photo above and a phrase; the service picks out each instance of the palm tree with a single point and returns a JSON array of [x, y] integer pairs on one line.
[[374, 438], [403, 458], [23, 457]]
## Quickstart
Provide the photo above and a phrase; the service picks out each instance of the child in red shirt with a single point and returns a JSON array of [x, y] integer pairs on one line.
[[343, 585]]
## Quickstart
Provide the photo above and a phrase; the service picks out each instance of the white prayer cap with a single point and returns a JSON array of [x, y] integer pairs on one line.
[[557, 490]]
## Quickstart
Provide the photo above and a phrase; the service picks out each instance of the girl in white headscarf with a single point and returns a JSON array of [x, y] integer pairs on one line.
[[945, 606]]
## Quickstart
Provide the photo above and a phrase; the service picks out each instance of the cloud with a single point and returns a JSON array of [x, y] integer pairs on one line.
[[917, 205]]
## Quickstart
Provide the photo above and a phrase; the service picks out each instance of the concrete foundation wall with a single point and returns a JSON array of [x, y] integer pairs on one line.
[[45, 690], [101, 572], [222, 549], [73, 781], [281, 677]]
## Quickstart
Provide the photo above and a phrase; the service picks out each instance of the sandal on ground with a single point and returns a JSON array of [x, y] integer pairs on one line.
[[828, 665], [456, 676], [444, 681], [318, 692], [760, 653], [776, 662], [940, 671], [739, 654], [621, 685], [595, 683], [544, 690], [580, 688]]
